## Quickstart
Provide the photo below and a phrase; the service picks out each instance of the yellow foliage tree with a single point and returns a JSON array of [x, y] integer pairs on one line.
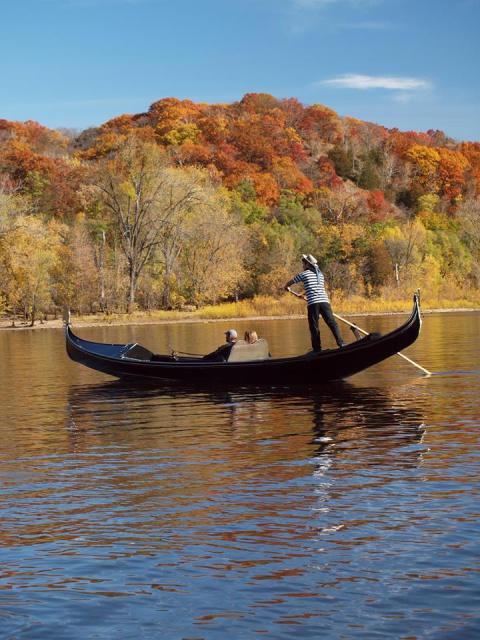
[[425, 161], [213, 252], [29, 260], [405, 247], [431, 276], [427, 202]]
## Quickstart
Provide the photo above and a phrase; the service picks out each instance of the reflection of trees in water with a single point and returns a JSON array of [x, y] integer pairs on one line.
[[240, 461]]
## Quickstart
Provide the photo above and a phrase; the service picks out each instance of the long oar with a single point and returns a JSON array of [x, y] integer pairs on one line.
[[356, 328]]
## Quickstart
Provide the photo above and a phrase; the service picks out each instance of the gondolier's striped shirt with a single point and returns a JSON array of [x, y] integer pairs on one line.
[[314, 285]]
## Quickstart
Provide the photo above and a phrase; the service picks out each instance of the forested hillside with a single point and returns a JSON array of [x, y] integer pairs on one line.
[[191, 203]]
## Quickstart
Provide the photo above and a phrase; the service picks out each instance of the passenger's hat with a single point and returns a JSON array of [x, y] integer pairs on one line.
[[231, 333], [309, 258]]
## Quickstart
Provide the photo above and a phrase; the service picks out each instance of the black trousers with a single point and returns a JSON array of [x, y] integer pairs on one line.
[[325, 310]]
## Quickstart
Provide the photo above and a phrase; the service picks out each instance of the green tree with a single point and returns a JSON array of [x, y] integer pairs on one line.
[[343, 162], [369, 178]]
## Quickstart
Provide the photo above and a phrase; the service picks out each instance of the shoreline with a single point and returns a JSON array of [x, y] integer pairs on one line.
[[5, 325]]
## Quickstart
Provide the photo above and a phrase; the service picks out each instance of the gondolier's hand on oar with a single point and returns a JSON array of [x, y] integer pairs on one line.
[[298, 295]]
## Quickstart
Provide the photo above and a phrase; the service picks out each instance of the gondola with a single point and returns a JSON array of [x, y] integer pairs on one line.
[[134, 361]]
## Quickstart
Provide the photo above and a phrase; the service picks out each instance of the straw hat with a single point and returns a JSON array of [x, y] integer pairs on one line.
[[309, 258]]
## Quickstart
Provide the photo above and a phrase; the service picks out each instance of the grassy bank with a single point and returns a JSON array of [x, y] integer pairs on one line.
[[266, 306]]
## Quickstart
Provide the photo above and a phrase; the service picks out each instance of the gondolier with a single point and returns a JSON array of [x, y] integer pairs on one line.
[[317, 299]]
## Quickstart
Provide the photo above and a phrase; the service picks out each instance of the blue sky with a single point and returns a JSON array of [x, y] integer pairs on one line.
[[413, 64]]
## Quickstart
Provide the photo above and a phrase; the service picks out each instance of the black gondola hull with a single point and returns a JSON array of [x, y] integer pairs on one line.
[[316, 368]]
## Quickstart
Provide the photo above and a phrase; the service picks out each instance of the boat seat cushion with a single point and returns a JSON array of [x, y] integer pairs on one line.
[[244, 352]]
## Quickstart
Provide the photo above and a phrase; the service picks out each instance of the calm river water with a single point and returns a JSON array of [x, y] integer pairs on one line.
[[348, 511]]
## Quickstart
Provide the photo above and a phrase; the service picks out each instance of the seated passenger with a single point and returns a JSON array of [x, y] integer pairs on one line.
[[245, 351], [251, 337], [221, 354]]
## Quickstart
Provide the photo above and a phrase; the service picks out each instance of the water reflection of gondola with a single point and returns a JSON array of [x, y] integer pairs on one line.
[[340, 416]]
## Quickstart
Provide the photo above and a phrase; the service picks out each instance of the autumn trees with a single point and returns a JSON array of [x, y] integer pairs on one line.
[[171, 216], [29, 251], [191, 203]]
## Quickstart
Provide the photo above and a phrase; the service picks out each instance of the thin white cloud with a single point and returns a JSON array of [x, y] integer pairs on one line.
[[364, 82]]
